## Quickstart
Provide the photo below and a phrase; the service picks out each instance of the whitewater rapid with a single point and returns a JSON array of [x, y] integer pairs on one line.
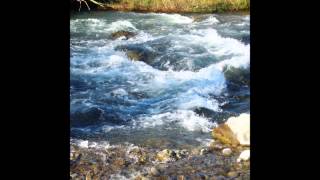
[[113, 96]]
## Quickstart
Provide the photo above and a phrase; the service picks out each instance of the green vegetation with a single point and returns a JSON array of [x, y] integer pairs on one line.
[[177, 5]]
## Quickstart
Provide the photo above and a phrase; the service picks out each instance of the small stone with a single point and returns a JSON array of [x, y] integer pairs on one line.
[[181, 177], [244, 156], [181, 154], [119, 162], [88, 176], [141, 178], [154, 171], [232, 174], [204, 151], [73, 175], [217, 146], [166, 155], [226, 151], [142, 159]]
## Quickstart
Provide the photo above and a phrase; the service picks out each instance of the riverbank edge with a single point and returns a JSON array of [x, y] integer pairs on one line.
[[158, 6]]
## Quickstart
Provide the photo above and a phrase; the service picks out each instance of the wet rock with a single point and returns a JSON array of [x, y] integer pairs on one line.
[[235, 131], [244, 156], [237, 76], [227, 151], [245, 39], [86, 117], [138, 53], [126, 34], [166, 155]]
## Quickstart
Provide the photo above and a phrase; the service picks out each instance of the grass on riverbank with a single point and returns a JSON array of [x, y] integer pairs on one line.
[[204, 6]]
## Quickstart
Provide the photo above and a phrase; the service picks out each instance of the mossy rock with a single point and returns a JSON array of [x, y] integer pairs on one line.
[[237, 76], [126, 34], [134, 55], [138, 53], [225, 135]]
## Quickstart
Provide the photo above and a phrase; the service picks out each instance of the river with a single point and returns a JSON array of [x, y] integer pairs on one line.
[[175, 97]]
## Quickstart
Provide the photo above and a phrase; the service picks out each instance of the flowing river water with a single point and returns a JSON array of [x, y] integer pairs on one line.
[[195, 74]]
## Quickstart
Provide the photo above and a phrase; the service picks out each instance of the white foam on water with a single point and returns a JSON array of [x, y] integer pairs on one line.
[[92, 144], [247, 18], [84, 144], [189, 120], [175, 18], [220, 46], [211, 20], [205, 141], [189, 89], [107, 128], [121, 25], [87, 25]]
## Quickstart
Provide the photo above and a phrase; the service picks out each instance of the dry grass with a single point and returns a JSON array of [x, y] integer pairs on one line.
[[180, 5]]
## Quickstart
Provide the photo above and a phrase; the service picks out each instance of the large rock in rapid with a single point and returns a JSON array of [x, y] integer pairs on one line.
[[138, 53], [237, 76], [125, 34], [235, 131]]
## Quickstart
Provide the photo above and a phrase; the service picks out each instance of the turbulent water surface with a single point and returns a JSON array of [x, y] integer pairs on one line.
[[196, 75]]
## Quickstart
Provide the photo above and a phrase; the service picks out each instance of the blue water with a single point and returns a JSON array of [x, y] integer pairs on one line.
[[177, 94]]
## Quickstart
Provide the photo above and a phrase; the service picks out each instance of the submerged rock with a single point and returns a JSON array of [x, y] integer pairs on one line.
[[86, 117], [126, 34], [236, 131], [244, 156]]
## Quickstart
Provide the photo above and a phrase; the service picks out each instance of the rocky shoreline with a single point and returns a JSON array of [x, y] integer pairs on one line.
[[225, 157]]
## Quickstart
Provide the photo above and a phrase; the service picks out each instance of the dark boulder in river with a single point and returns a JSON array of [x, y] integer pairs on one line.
[[237, 76], [245, 39], [138, 53], [126, 34]]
